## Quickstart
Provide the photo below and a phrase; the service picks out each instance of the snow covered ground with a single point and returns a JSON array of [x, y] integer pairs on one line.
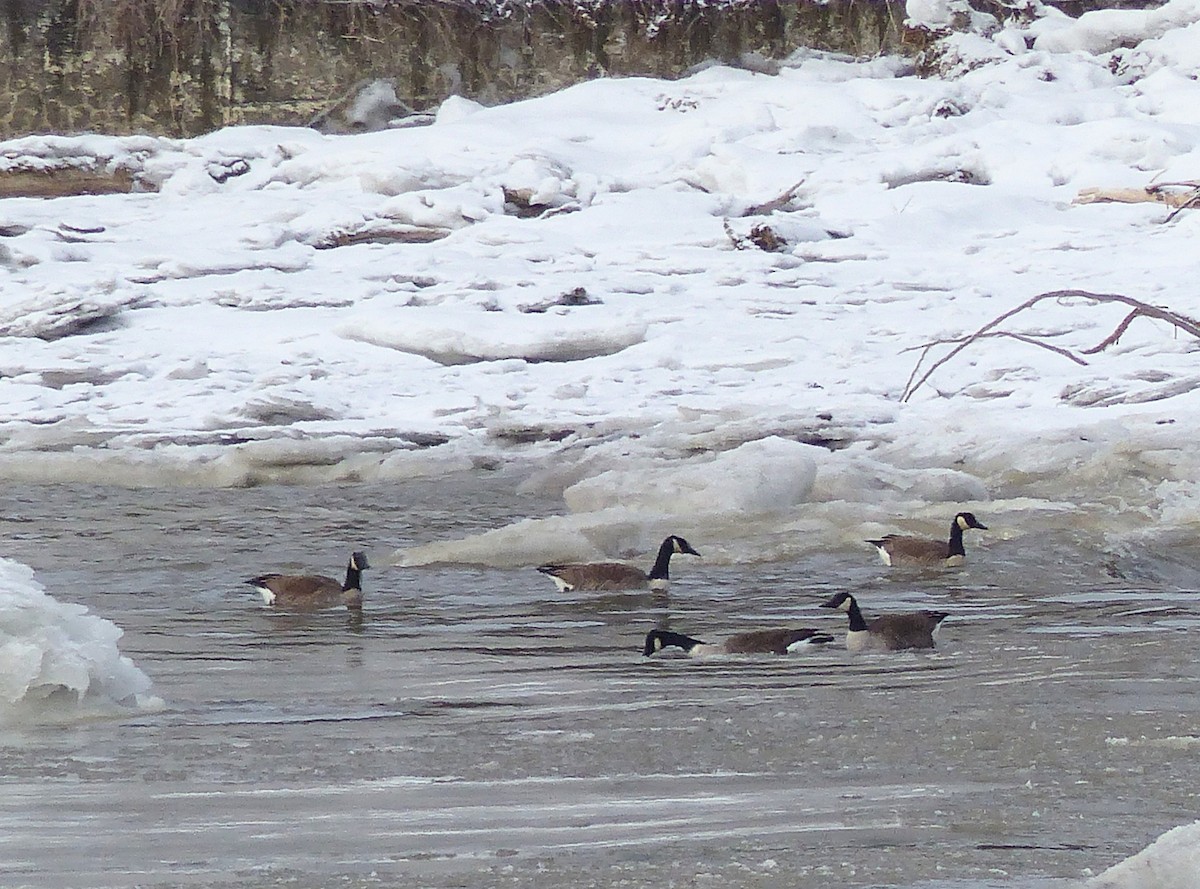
[[579, 280]]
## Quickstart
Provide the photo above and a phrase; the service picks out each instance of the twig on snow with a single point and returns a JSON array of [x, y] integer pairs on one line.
[[776, 203]]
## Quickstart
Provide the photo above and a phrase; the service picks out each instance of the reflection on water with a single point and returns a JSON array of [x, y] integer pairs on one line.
[[479, 728]]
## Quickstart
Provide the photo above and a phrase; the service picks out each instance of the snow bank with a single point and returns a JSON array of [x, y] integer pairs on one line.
[[1104, 30], [1170, 862], [944, 14], [57, 658], [466, 337], [574, 283]]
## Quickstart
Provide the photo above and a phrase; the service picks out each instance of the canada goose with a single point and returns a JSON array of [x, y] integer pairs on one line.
[[618, 575], [782, 641], [898, 549], [888, 632], [312, 592]]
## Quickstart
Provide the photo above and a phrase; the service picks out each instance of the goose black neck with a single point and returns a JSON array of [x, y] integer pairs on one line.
[[353, 578], [663, 563], [956, 540], [857, 622]]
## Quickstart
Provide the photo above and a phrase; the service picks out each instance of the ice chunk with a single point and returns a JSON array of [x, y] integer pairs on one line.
[[521, 544], [1170, 862], [374, 106], [627, 512], [464, 337], [456, 109], [58, 652], [538, 182], [767, 475], [52, 316]]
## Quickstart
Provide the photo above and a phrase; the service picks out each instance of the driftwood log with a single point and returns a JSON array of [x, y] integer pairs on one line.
[[1176, 195]]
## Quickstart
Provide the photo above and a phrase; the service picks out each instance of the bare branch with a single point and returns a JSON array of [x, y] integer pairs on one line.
[[908, 385], [1160, 186], [1115, 336], [1022, 337], [1191, 202], [1034, 341], [908, 392], [1140, 309], [775, 203]]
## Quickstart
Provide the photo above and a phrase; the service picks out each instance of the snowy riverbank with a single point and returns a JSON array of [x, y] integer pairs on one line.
[[577, 281]]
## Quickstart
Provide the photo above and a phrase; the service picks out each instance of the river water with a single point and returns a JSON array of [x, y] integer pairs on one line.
[[477, 728]]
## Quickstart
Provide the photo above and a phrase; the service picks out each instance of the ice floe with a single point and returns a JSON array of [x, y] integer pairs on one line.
[[57, 659]]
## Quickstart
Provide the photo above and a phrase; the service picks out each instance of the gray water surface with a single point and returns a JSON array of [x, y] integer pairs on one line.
[[477, 728]]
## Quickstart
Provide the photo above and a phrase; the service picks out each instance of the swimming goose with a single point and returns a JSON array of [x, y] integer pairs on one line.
[[888, 632], [618, 575], [312, 592], [898, 549], [784, 641]]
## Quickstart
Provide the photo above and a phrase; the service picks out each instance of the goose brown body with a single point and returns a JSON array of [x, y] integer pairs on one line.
[[618, 575], [888, 632], [596, 576], [313, 592], [902, 549]]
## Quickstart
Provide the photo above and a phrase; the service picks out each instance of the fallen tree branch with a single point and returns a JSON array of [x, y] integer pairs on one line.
[[1115, 336], [1140, 309], [1159, 193], [1010, 334], [1022, 337], [1191, 202], [777, 203]]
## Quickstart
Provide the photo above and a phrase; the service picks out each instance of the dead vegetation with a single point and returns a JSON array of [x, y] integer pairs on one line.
[[762, 235], [572, 299], [389, 234], [1138, 309], [62, 181]]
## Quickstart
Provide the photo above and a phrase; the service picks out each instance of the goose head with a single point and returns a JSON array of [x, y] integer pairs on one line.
[[679, 545], [966, 520], [841, 601]]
